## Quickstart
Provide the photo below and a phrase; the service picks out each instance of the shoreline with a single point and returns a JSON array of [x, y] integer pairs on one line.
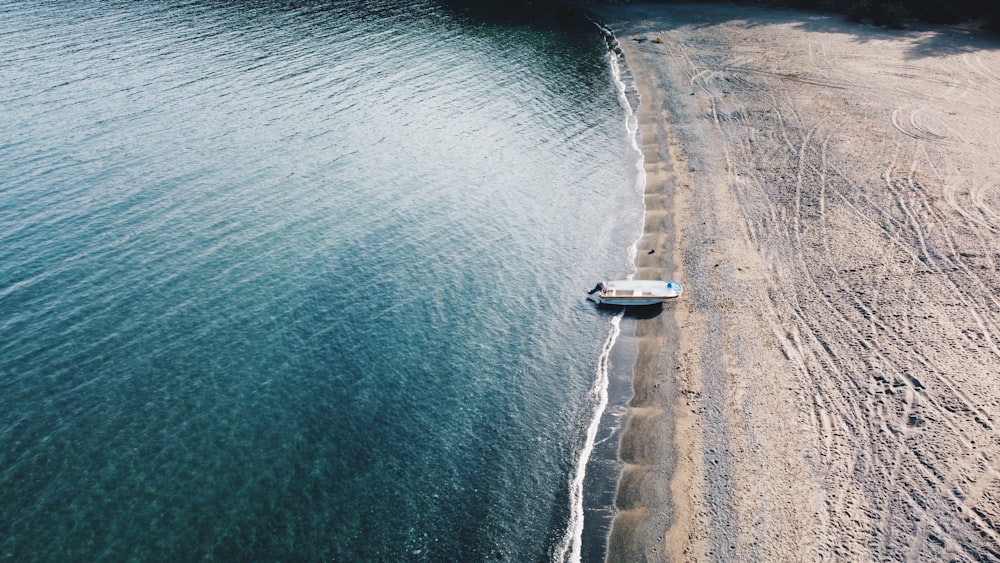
[[827, 385], [655, 430]]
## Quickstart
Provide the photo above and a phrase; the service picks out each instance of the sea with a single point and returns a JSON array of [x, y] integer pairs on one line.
[[305, 280]]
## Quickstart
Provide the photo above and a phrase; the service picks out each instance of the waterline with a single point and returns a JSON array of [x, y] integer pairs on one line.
[[570, 548]]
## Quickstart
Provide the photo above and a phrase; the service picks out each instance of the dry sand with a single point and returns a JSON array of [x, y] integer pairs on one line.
[[828, 388]]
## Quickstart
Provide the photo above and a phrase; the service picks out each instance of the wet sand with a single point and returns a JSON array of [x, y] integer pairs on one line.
[[828, 387]]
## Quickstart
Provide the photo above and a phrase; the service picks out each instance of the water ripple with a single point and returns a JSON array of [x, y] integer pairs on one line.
[[299, 280]]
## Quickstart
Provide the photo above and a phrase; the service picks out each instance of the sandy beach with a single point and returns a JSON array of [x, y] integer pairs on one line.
[[828, 388]]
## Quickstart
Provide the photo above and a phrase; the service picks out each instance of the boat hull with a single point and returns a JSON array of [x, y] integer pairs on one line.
[[628, 301], [634, 293]]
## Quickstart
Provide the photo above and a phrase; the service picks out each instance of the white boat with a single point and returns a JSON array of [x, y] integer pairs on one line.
[[634, 292]]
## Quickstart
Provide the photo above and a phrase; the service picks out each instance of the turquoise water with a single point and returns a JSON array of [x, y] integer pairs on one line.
[[301, 281]]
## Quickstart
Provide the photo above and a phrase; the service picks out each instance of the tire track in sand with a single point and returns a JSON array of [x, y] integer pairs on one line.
[[863, 175], [901, 421]]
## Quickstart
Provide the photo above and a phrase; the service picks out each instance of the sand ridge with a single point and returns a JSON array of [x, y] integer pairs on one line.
[[829, 193]]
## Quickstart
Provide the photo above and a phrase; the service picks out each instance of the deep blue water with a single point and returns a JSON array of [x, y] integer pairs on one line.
[[300, 280]]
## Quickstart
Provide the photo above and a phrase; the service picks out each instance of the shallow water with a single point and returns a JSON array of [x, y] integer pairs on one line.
[[300, 280]]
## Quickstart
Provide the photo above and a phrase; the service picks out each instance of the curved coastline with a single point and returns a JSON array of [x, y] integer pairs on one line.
[[647, 449], [641, 423], [598, 466]]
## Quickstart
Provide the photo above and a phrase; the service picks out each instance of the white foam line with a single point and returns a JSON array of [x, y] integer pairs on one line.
[[569, 548], [632, 128]]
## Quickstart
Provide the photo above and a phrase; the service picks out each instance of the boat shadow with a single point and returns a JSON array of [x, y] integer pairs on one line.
[[641, 312]]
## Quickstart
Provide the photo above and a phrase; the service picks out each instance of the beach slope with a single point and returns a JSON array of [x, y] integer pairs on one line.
[[829, 385]]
